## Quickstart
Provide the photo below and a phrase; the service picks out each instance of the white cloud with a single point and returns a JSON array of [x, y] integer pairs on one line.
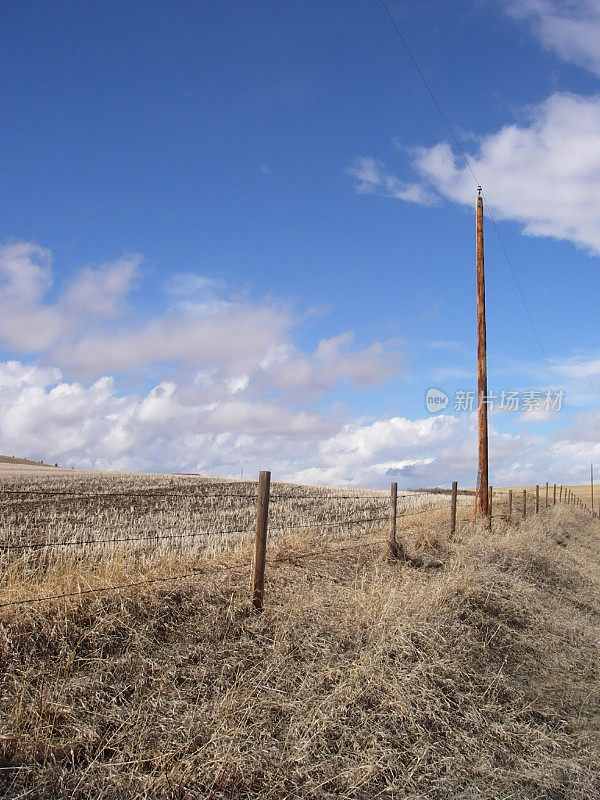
[[44, 416], [25, 276], [225, 379], [570, 29], [245, 346], [28, 322], [231, 335], [579, 368], [372, 178], [99, 291], [544, 174], [437, 450], [166, 429]]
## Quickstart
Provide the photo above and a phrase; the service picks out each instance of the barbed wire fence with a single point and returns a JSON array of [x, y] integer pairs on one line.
[[266, 514]]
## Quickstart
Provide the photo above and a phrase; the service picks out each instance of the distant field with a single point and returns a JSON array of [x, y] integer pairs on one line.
[[10, 463], [95, 517]]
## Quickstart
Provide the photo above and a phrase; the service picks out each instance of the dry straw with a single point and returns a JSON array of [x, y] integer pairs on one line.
[[473, 675]]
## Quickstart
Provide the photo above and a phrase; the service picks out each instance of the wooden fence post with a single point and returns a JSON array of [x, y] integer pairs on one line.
[[453, 508], [546, 494], [393, 516], [560, 494], [554, 496], [524, 503], [509, 503], [260, 548], [490, 493], [537, 499]]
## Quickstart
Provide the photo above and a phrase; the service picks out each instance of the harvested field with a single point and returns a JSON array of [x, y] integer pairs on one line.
[[473, 676]]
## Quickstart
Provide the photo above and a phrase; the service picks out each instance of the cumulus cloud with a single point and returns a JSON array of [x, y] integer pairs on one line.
[[25, 276], [96, 425], [371, 178], [246, 346], [437, 450], [544, 173], [42, 415], [232, 336], [225, 376], [100, 291], [29, 322], [572, 30]]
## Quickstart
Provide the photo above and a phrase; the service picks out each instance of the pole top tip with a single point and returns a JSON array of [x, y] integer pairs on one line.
[[479, 191]]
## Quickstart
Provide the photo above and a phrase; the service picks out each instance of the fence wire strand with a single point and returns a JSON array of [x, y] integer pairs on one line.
[[177, 536], [101, 589]]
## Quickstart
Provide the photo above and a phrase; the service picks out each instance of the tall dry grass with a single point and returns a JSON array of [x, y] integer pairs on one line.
[[473, 676]]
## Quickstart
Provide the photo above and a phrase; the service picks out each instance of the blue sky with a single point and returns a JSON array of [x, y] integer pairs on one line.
[[239, 235]]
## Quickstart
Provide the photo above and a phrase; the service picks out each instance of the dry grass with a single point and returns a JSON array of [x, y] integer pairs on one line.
[[363, 678]]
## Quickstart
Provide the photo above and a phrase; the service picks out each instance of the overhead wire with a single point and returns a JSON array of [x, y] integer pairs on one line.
[[470, 168]]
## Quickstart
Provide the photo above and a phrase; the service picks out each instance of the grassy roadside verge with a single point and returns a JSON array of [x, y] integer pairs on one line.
[[363, 678]]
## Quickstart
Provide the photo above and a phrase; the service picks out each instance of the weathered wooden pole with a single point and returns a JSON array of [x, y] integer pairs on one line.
[[490, 498], [260, 547], [483, 500], [554, 496], [560, 499], [537, 499], [592, 482], [393, 546], [509, 503], [524, 503], [546, 494], [453, 507]]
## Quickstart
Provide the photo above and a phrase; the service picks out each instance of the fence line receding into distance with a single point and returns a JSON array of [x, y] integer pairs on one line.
[[374, 508]]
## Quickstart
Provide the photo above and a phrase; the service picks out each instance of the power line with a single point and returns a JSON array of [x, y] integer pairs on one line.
[[430, 91], [472, 171], [522, 296]]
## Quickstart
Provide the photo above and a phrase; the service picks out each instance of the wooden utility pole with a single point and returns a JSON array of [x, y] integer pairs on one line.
[[482, 495]]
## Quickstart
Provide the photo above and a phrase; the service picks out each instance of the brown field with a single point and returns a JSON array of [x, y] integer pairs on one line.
[[474, 675]]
